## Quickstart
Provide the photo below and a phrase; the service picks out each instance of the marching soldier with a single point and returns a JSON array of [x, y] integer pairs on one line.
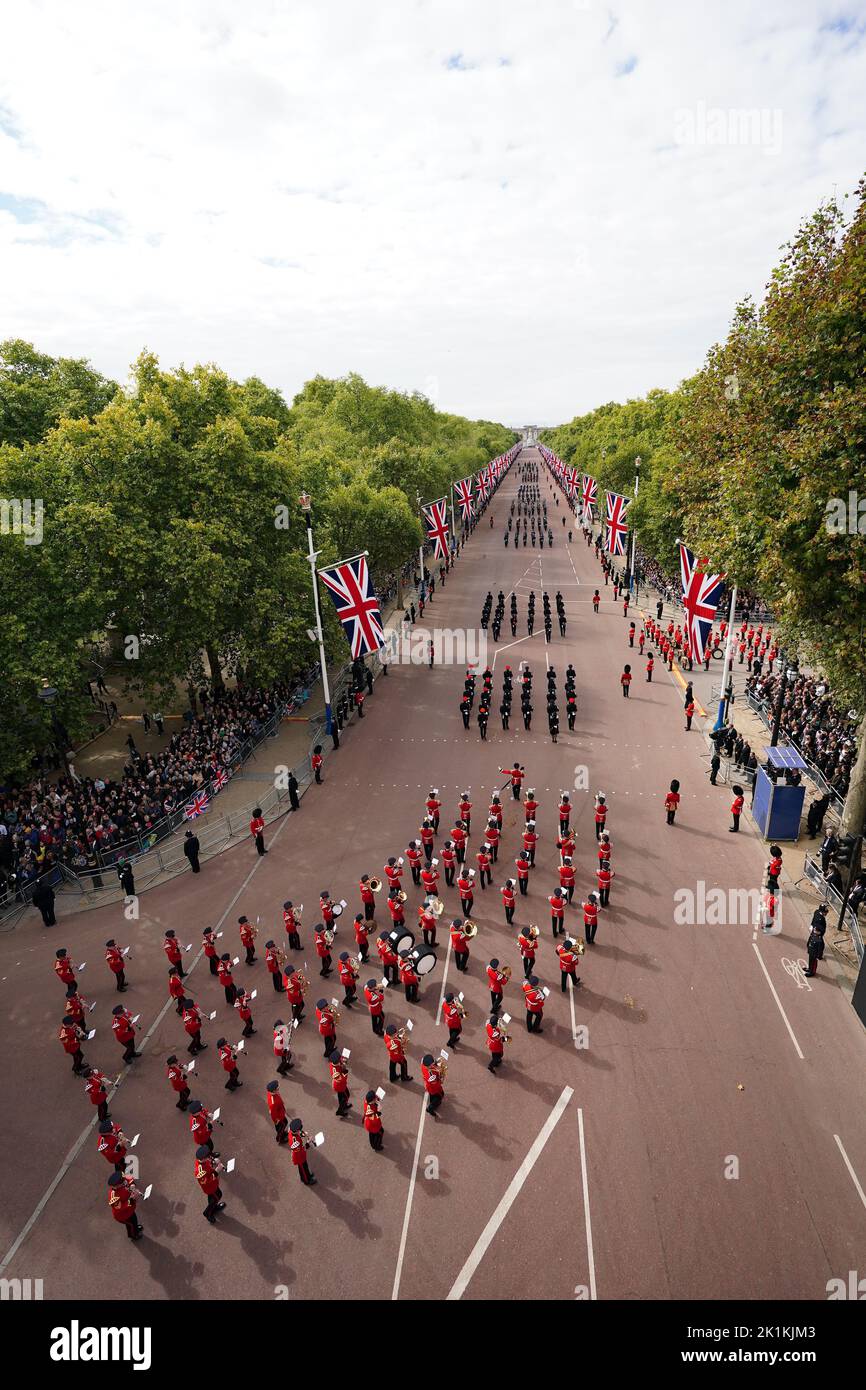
[[295, 992], [373, 1121], [75, 1004], [460, 944], [368, 899], [257, 830], [298, 1143], [376, 1004], [433, 807], [326, 1019], [242, 1004], [248, 939], [388, 957], [277, 1112], [176, 1076], [394, 1042], [207, 1171], [492, 837], [557, 912], [176, 990], [395, 908], [323, 950], [464, 811], [114, 956], [464, 888], [414, 855], [530, 841], [224, 971], [123, 1029], [292, 923], [564, 813], [409, 977], [122, 1200], [600, 813], [522, 864], [485, 872], [430, 881], [590, 918], [533, 997], [201, 1123], [604, 873], [229, 1063], [432, 1073], [348, 978], [393, 873], [283, 1047], [427, 922], [362, 940], [672, 801], [72, 1035], [210, 948], [568, 959], [566, 878], [273, 963], [452, 1013], [508, 900], [339, 1070], [326, 909], [496, 1039], [494, 810], [63, 968], [458, 839], [497, 979], [530, 805], [192, 1022], [449, 862], [516, 773], [173, 953], [113, 1144], [527, 943], [427, 836], [96, 1086]]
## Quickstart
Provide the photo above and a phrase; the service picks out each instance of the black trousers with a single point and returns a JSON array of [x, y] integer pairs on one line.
[[277, 978], [528, 967], [509, 915], [404, 1070], [260, 842], [433, 1103], [496, 1059], [453, 1037], [281, 1128], [736, 824], [378, 1022], [231, 992], [369, 911], [377, 1140], [533, 1022], [134, 1227], [671, 815], [48, 916], [121, 981], [304, 1174], [591, 929], [558, 924], [495, 1001], [411, 994], [604, 897], [196, 1044], [213, 1205], [183, 1098], [212, 962], [250, 956], [566, 976], [461, 960], [193, 863], [449, 877]]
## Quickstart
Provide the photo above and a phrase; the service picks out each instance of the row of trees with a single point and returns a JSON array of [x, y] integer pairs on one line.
[[744, 459], [169, 513]]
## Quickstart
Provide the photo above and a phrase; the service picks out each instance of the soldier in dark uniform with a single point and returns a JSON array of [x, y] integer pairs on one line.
[[191, 849]]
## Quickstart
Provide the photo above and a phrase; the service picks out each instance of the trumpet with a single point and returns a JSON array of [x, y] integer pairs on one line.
[[470, 929], [334, 1012], [375, 885]]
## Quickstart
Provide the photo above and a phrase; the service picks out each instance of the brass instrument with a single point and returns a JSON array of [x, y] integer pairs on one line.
[[580, 946], [280, 955], [329, 937], [506, 1037], [302, 981], [334, 1012], [470, 929], [401, 896], [354, 967], [375, 885], [506, 970], [533, 930], [460, 1009], [437, 907], [442, 1067], [401, 1034]]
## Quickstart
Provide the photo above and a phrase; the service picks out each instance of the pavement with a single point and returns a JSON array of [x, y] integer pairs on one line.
[[691, 1123]]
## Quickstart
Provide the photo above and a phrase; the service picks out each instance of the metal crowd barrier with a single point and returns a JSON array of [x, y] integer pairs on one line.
[[812, 871]]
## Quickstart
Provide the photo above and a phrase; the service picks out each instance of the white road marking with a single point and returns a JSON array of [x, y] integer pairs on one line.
[[573, 1020], [856, 1181], [80, 1141], [401, 1253], [482, 1245], [444, 978], [589, 1251], [778, 1000]]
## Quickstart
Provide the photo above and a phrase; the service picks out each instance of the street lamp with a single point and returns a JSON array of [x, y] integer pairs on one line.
[[305, 502]]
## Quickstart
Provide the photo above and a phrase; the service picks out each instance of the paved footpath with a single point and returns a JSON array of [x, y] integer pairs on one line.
[[709, 1142]]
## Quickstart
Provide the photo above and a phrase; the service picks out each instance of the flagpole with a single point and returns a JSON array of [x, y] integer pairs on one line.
[[312, 556], [724, 702], [451, 500], [631, 583]]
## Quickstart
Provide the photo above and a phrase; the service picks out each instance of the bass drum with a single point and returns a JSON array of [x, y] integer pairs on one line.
[[423, 960], [401, 939]]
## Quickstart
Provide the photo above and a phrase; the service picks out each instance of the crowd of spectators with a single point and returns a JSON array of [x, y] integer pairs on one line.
[[82, 822], [823, 733]]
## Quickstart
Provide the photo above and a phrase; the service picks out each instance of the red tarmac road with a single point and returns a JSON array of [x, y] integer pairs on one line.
[[597, 1170]]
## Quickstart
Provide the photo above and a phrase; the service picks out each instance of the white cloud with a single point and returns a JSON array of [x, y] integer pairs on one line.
[[542, 207]]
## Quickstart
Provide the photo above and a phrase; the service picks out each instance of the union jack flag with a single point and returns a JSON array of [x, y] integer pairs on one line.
[[571, 481], [481, 484], [701, 595], [351, 587], [197, 806], [436, 517], [589, 495], [220, 780], [617, 506], [464, 497]]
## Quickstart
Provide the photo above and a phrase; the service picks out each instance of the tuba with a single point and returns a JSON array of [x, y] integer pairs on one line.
[[401, 896], [506, 970], [470, 929], [580, 946], [375, 885], [437, 907]]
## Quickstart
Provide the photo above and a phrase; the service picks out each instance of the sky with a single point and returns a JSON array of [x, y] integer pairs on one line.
[[521, 210]]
